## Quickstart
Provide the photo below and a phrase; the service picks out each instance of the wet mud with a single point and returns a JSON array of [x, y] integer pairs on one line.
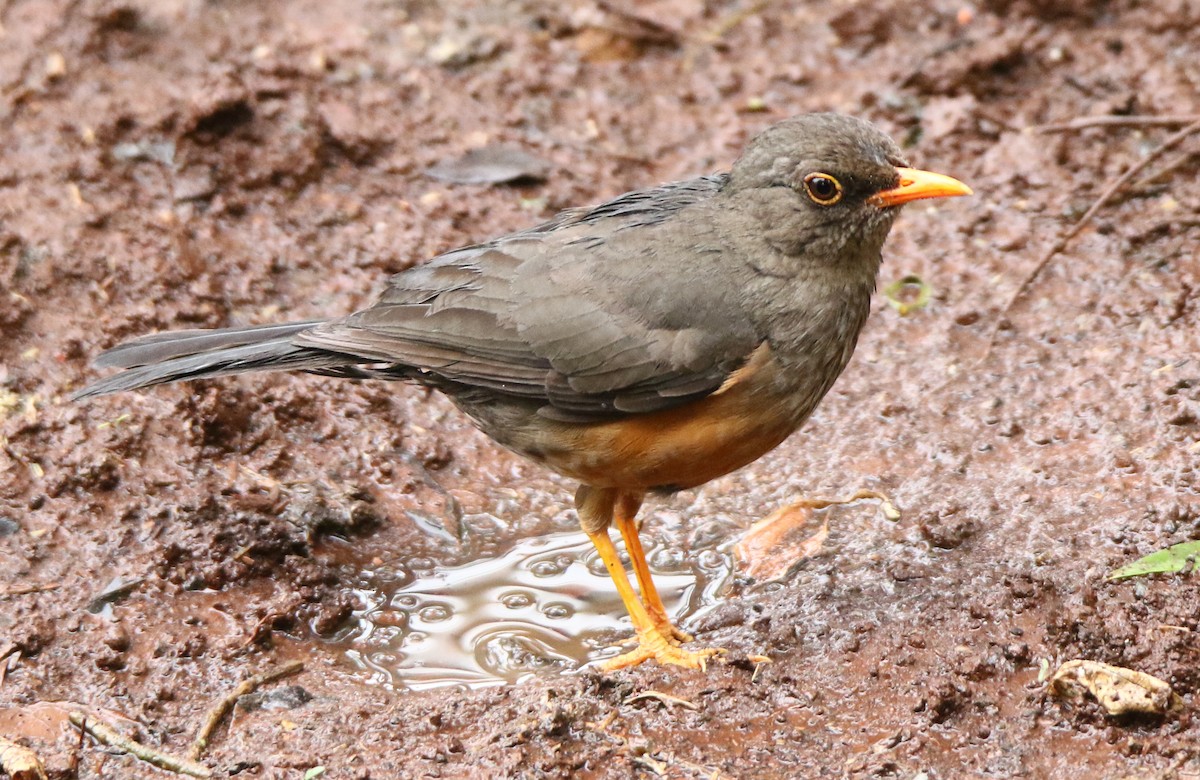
[[181, 164]]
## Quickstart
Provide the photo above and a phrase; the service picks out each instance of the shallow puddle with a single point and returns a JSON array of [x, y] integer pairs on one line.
[[545, 605]]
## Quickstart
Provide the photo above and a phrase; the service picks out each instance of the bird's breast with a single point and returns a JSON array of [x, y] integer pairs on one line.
[[688, 445]]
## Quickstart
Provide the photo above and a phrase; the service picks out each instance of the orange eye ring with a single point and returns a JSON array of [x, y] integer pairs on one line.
[[823, 189]]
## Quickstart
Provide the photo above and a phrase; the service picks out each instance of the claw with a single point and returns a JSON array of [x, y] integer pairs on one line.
[[661, 643]]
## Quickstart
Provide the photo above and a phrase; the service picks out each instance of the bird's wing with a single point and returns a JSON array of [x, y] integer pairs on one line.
[[578, 314]]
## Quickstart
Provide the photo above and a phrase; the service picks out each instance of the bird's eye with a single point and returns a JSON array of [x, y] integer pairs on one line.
[[823, 188]]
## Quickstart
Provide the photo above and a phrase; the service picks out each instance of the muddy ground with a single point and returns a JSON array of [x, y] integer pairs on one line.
[[181, 163]]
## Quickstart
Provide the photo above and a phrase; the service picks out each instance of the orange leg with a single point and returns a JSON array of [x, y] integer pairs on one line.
[[653, 641], [624, 512]]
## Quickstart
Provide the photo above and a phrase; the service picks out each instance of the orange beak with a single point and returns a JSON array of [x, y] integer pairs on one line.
[[917, 185]]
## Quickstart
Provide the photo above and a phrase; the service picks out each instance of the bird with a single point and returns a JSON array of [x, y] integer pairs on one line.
[[645, 345]]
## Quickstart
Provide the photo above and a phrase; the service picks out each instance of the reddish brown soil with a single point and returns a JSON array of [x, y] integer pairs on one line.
[[195, 164]]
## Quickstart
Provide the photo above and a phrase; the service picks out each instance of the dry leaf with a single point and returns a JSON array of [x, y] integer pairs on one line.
[[612, 33], [19, 762], [774, 544], [771, 548], [1119, 690], [45, 728]]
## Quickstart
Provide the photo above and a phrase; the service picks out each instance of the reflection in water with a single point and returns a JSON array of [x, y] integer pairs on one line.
[[546, 605]]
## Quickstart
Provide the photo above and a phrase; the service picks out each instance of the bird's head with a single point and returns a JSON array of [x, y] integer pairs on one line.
[[826, 187]]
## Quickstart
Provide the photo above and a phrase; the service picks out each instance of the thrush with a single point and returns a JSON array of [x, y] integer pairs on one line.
[[650, 343]]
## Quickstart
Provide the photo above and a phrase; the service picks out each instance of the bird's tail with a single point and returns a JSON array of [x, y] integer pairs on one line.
[[192, 354]]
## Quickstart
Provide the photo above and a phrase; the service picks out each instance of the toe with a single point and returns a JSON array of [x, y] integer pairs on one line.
[[664, 650]]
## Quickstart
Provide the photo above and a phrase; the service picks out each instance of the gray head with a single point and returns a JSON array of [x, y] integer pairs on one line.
[[826, 187]]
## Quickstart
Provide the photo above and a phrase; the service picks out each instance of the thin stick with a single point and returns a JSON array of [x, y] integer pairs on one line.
[[1104, 198], [9, 649], [222, 707], [111, 737], [25, 590], [665, 698], [1139, 120], [644, 754], [77, 755], [1170, 167]]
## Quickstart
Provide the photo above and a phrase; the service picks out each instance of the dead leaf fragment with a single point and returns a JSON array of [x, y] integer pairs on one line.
[[647, 22], [495, 164], [774, 544], [1119, 690], [19, 762], [609, 32], [460, 48], [42, 728]]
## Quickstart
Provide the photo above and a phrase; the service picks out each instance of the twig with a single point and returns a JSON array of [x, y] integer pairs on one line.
[[76, 755], [1100, 202], [10, 649], [650, 762], [459, 534], [885, 505], [665, 698], [759, 662], [1170, 167], [602, 726], [222, 707], [113, 738], [1138, 120], [644, 753], [706, 772], [24, 590]]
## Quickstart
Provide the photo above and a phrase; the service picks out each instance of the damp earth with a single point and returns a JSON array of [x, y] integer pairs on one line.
[[181, 164]]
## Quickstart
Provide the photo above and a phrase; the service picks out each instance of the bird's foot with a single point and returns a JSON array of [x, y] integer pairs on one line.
[[663, 625], [660, 642]]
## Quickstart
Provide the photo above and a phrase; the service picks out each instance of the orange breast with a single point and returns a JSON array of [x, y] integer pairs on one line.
[[685, 446]]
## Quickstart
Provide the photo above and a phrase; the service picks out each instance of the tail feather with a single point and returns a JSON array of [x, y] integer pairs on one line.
[[192, 354], [157, 347]]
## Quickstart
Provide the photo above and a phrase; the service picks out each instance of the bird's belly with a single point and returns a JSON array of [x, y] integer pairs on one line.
[[681, 447], [676, 449]]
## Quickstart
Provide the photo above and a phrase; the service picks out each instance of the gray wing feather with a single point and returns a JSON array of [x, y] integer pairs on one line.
[[558, 314]]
